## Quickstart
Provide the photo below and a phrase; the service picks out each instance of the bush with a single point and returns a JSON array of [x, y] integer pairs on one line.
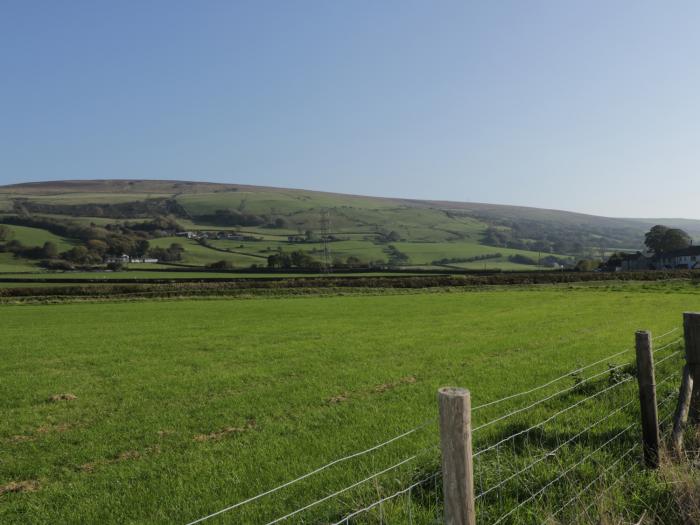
[[115, 266], [221, 265], [519, 258], [57, 264]]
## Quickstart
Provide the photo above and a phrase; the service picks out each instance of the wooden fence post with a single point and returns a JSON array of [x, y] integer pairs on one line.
[[647, 398], [691, 328], [457, 467], [681, 416]]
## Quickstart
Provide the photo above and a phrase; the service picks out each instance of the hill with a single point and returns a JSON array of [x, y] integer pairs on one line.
[[402, 232]]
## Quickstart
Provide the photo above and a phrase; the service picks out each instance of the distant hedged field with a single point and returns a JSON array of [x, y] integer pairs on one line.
[[68, 226]]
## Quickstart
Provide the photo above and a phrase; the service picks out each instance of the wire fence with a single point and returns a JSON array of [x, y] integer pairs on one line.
[[540, 455]]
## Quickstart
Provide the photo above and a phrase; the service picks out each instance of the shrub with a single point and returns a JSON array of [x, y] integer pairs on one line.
[[519, 258], [221, 265]]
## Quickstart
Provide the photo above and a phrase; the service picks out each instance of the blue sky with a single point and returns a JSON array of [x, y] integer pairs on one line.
[[589, 106]]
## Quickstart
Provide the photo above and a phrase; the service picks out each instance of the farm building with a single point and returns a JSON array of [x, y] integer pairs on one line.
[[686, 258]]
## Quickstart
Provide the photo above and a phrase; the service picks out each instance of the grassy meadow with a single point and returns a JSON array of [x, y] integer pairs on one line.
[[165, 411]]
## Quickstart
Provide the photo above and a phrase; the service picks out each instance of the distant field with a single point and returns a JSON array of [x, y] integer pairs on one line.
[[283, 201], [9, 263], [92, 198], [37, 237], [185, 407], [199, 255], [425, 253]]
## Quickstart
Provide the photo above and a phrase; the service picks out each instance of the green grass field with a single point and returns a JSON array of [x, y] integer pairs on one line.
[[10, 263], [37, 237], [184, 407]]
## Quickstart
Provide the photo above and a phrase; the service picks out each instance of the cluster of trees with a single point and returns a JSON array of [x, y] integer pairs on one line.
[[161, 226], [476, 258], [238, 218], [396, 256], [519, 258], [221, 265], [48, 250], [550, 261], [355, 262], [122, 210], [661, 239], [295, 259], [173, 253], [587, 265], [388, 236], [95, 243]]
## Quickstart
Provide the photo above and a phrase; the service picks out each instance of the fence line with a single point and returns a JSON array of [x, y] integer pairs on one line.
[[568, 374], [339, 492], [615, 482], [667, 345], [584, 489], [607, 469], [568, 389], [544, 399], [313, 472], [570, 407], [549, 484], [347, 518], [549, 454], [669, 356]]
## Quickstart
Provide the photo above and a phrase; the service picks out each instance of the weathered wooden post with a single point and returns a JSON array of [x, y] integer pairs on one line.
[[681, 416], [691, 328], [647, 398], [457, 466]]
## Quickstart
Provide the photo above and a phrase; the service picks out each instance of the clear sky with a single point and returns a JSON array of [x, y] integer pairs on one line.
[[590, 106]]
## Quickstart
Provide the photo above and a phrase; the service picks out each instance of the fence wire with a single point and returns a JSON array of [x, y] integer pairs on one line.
[[508, 479]]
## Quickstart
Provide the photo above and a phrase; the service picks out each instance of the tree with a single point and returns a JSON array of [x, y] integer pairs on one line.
[[676, 239], [519, 258], [171, 254], [221, 265], [662, 239], [587, 265], [393, 236], [140, 248], [49, 251], [5, 233], [79, 254], [97, 246]]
